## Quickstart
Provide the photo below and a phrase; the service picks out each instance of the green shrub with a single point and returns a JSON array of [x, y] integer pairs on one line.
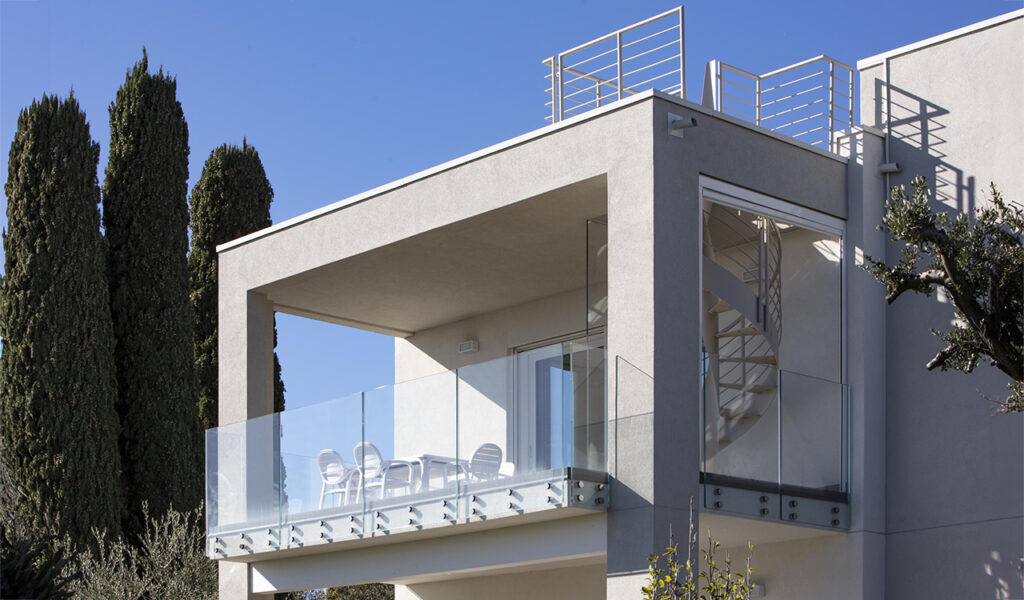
[[33, 570], [682, 581], [168, 562]]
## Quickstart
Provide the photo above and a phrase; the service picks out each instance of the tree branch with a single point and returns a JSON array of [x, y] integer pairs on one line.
[[933, 276], [940, 358]]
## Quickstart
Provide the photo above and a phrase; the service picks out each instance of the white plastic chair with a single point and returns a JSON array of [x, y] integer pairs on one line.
[[375, 473], [334, 473], [484, 465]]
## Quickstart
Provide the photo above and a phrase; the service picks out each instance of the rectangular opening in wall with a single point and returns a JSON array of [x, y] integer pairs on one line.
[[772, 336]]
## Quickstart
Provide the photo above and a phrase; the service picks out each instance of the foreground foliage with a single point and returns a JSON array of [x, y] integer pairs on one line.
[[145, 216], [57, 381], [670, 579], [368, 591], [167, 562], [231, 199], [33, 570], [979, 261]]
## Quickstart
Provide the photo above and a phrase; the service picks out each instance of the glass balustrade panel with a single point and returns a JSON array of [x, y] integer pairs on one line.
[[741, 424], [409, 447], [813, 432], [317, 469], [243, 476]]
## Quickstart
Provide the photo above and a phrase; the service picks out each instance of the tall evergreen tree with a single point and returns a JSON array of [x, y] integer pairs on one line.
[[145, 214], [57, 380], [231, 199]]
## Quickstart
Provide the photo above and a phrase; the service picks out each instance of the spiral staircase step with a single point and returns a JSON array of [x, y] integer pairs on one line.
[[764, 359], [742, 332], [720, 307], [748, 412], [753, 388]]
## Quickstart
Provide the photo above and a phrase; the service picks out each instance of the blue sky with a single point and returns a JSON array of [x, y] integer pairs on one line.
[[340, 97]]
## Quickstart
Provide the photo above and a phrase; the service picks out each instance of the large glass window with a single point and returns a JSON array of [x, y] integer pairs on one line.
[[772, 329]]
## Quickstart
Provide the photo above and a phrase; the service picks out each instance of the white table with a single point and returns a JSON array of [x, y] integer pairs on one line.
[[427, 463]]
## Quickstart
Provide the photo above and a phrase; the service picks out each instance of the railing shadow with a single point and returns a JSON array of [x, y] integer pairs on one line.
[[917, 128]]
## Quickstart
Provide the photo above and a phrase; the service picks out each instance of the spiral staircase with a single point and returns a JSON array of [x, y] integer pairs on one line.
[[742, 322]]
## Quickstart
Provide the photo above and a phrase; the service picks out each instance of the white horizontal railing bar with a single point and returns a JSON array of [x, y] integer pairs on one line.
[[737, 70], [752, 104], [734, 84], [653, 35], [607, 82], [745, 116], [802, 63], [795, 95], [614, 34], [797, 135], [644, 68], [795, 108], [592, 88], [595, 57], [590, 76], [662, 76], [791, 82], [803, 120], [577, 104], [645, 53]]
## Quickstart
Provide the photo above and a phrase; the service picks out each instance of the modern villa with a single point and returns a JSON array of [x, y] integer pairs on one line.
[[654, 301]]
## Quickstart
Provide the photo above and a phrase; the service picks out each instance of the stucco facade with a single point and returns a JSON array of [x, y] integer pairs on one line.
[[593, 234]]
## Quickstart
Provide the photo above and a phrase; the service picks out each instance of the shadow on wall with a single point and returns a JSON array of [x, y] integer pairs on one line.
[[997, 567], [917, 143]]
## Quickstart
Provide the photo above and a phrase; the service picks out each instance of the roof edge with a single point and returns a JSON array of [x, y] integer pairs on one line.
[[445, 166], [874, 61], [510, 143]]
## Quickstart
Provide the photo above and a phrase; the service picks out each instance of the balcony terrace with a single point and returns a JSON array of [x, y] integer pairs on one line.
[[509, 437]]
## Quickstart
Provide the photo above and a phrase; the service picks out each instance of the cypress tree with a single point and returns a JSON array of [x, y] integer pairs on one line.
[[145, 214], [57, 381], [231, 199]]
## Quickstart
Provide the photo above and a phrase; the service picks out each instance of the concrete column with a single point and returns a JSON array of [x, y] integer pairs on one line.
[[233, 582], [653, 341], [245, 355], [866, 357], [246, 391]]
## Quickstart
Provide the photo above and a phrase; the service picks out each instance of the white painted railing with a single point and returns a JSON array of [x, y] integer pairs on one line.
[[645, 55], [810, 100]]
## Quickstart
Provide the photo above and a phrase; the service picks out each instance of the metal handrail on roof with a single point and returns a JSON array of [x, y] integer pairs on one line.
[[654, 47], [795, 92]]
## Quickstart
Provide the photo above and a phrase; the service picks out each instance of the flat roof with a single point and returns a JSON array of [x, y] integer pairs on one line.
[[516, 141]]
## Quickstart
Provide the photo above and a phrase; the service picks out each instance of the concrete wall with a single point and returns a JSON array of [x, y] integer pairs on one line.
[[954, 485], [653, 213], [572, 583], [425, 416], [818, 567], [617, 146]]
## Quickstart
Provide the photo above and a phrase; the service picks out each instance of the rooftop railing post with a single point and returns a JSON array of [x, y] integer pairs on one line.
[[719, 100], [554, 91], [561, 89], [757, 101], [618, 62], [831, 104], [682, 56]]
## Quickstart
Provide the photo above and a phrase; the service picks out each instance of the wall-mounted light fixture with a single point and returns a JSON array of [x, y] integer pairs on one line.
[[469, 346], [677, 124]]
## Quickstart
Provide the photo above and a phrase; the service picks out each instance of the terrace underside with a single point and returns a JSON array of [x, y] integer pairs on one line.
[[528, 250]]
